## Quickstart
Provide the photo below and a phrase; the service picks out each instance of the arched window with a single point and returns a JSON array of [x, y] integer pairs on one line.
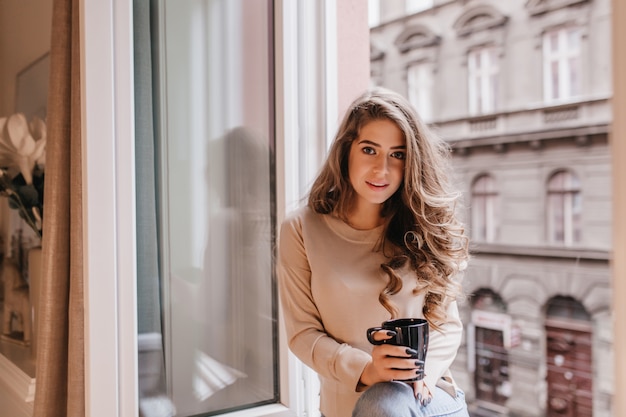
[[562, 307], [564, 208], [485, 212]]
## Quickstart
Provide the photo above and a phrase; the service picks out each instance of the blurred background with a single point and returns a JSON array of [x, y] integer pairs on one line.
[[521, 90], [236, 103]]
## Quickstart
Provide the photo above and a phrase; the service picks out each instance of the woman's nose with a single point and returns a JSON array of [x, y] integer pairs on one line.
[[380, 166]]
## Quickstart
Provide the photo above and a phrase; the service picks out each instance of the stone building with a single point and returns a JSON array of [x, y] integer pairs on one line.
[[521, 90]]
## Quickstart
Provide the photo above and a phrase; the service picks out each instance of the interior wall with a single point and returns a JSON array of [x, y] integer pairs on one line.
[[25, 27]]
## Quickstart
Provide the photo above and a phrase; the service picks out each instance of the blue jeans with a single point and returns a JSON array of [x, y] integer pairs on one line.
[[396, 399]]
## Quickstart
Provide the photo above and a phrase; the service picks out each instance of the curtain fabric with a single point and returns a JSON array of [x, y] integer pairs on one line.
[[60, 356]]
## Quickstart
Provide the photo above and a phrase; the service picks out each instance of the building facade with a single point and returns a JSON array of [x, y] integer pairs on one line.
[[521, 90]]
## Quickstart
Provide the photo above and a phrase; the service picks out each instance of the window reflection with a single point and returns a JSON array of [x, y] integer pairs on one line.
[[216, 351]]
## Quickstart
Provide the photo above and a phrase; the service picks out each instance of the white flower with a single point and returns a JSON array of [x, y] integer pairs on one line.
[[22, 145]]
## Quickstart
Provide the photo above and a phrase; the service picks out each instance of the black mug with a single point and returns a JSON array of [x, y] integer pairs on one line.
[[411, 332]]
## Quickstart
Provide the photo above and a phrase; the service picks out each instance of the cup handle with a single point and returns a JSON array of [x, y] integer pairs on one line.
[[370, 334]]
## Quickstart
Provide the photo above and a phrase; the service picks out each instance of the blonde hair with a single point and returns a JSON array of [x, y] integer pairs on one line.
[[421, 227]]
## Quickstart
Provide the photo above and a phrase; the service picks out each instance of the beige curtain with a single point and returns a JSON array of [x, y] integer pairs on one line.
[[60, 355]]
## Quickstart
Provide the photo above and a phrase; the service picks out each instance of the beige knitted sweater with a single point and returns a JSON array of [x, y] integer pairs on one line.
[[329, 281]]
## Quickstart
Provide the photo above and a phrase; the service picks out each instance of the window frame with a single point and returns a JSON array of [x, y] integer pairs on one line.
[[416, 6], [570, 192], [491, 199], [373, 13], [109, 259], [420, 94]]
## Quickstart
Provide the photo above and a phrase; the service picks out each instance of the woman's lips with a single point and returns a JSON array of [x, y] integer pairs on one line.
[[377, 185]]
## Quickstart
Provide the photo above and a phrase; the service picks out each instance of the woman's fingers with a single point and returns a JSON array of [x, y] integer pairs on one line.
[[383, 335], [395, 362], [422, 393]]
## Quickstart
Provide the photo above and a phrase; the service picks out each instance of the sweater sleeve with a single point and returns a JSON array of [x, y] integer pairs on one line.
[[306, 335], [443, 345]]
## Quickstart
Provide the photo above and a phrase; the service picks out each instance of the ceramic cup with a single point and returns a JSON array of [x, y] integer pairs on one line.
[[410, 332]]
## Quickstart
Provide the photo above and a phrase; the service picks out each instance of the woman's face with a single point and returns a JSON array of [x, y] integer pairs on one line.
[[376, 162]]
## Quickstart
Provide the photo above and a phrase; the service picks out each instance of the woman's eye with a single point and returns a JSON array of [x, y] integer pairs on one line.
[[398, 155], [368, 150]]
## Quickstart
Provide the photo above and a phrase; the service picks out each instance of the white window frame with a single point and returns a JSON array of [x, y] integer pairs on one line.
[[483, 81], [111, 380], [566, 58], [373, 13], [420, 84], [415, 6]]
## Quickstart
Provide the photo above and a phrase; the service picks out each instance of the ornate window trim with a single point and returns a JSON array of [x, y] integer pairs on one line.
[[416, 36], [479, 18], [536, 7], [376, 52]]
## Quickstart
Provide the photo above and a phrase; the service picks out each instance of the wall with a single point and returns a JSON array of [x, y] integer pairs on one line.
[[24, 37]]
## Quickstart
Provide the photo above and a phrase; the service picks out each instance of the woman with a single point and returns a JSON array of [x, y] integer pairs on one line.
[[378, 239]]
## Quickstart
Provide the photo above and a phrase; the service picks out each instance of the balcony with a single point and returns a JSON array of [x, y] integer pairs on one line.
[[579, 120]]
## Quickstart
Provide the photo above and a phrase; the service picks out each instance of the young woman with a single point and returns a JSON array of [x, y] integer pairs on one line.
[[378, 239]]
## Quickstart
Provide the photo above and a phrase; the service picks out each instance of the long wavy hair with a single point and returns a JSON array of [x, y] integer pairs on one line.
[[421, 229]]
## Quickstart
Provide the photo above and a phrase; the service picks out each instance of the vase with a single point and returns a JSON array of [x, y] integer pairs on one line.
[[34, 281]]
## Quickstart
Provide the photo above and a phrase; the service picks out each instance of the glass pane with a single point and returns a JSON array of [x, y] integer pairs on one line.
[[492, 216], [493, 88], [420, 80], [574, 79], [554, 73], [479, 226], [573, 40], [553, 40], [215, 189], [556, 219]]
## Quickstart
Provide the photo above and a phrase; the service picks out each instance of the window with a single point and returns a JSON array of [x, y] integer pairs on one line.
[[420, 86], [561, 54], [483, 73], [564, 208], [414, 6], [206, 296], [485, 215]]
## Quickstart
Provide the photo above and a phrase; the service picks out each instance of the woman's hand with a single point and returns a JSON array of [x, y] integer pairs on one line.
[[422, 393], [390, 362]]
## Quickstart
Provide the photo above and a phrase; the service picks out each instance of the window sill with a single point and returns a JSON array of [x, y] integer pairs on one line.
[[272, 410]]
